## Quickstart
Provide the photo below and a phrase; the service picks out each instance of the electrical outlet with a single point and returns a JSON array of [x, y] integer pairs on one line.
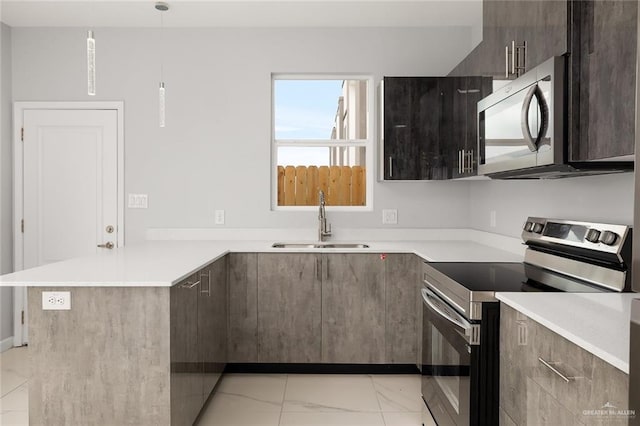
[[138, 201], [219, 217], [56, 300], [492, 219], [389, 216]]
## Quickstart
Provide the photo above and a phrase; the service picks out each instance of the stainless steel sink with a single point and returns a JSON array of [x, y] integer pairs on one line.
[[320, 245]]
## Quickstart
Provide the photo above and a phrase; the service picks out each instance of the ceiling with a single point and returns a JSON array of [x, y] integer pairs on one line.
[[240, 13]]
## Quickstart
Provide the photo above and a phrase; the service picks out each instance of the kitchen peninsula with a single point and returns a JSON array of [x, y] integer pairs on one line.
[[127, 351]]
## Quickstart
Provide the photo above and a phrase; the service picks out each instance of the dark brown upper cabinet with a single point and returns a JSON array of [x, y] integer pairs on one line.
[[429, 126], [599, 37], [540, 25], [602, 86]]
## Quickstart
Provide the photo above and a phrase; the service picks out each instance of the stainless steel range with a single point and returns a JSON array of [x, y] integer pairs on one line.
[[461, 316]]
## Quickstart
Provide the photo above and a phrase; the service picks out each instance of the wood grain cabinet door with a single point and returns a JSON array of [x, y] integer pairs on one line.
[[186, 367], [499, 29], [603, 73], [543, 25], [411, 127], [243, 307], [547, 380], [402, 284], [353, 309], [424, 125], [212, 323], [289, 300]]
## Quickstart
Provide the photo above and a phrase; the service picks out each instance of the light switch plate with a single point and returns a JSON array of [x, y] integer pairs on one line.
[[492, 219], [56, 300], [219, 217], [390, 216], [138, 201]]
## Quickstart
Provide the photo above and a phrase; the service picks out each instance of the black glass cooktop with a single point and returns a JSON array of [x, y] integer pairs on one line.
[[510, 277]]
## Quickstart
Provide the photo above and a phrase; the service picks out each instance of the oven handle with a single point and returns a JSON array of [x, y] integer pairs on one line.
[[431, 299], [470, 332]]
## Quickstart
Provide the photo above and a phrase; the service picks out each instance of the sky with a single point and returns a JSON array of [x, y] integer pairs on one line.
[[305, 109]]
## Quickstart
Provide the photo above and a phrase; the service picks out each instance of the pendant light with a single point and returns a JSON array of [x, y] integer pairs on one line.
[[162, 7], [91, 64]]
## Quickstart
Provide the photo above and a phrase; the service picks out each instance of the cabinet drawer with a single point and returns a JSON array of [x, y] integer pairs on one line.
[[540, 368]]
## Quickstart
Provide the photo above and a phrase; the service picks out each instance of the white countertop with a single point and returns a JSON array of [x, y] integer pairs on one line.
[[164, 263], [597, 322]]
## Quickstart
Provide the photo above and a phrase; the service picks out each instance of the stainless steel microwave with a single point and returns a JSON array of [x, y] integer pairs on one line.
[[521, 126]]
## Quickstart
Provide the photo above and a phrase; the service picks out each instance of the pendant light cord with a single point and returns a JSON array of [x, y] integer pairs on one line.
[[161, 45]]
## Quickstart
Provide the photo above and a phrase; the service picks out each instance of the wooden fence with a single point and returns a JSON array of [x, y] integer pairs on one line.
[[342, 185]]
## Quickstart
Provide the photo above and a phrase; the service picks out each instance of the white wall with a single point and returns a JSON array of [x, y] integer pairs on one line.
[[606, 199], [6, 181], [214, 152]]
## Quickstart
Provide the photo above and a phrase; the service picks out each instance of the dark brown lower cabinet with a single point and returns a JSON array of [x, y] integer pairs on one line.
[[186, 370], [212, 324], [531, 393], [198, 339], [243, 307]]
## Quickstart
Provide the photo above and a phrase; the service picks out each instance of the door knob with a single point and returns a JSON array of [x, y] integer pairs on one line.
[[108, 245]]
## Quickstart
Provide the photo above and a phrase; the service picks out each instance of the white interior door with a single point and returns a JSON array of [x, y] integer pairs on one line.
[[70, 185]]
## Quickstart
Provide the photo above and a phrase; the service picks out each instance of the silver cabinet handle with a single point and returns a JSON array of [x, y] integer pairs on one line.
[[108, 245], [469, 162], [550, 366], [506, 61], [189, 285], [464, 161], [318, 269], [327, 265], [390, 166], [513, 57], [522, 64], [208, 275]]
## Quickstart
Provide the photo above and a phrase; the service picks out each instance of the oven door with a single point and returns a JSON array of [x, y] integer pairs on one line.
[[446, 361]]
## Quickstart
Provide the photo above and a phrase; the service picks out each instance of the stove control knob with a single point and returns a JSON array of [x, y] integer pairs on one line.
[[593, 235], [609, 238], [528, 226], [537, 228]]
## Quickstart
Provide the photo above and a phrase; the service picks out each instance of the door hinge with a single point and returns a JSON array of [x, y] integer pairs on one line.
[[22, 226], [22, 134], [22, 317]]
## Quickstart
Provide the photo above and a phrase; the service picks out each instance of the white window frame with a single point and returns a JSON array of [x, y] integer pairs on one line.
[[368, 143]]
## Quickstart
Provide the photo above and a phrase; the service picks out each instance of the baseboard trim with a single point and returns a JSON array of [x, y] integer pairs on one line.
[[6, 344], [264, 368]]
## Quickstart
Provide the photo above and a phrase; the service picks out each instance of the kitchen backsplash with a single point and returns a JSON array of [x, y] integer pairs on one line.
[[606, 198]]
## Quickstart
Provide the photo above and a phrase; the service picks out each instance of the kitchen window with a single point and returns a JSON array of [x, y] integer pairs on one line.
[[322, 140]]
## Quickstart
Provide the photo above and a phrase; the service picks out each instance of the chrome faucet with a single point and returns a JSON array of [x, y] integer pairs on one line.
[[324, 230]]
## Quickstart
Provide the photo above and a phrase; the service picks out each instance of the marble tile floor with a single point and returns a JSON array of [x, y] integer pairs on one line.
[[266, 399]]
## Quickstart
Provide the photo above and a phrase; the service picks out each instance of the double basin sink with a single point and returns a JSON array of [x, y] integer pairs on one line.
[[320, 245]]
